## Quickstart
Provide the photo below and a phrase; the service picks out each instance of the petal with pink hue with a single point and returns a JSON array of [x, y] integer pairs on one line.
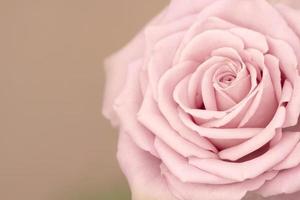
[[252, 39], [264, 105], [287, 92], [292, 160], [161, 59], [240, 86], [181, 97], [128, 104], [213, 39], [150, 117], [289, 67], [223, 100], [208, 90], [288, 64], [285, 182], [178, 8], [180, 167], [227, 52], [239, 89], [252, 168], [217, 133], [168, 106], [272, 63], [292, 17], [157, 32], [116, 68], [258, 15], [259, 140], [200, 26], [195, 83], [142, 171], [235, 114], [235, 191], [293, 106]]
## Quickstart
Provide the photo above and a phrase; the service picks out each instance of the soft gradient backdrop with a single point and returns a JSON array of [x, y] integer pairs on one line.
[[54, 143]]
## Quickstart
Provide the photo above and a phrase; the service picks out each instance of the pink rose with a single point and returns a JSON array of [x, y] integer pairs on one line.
[[207, 99]]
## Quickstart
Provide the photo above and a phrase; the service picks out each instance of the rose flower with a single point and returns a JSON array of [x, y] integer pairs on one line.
[[207, 100]]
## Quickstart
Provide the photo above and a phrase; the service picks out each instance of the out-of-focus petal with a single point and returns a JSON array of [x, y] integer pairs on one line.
[[258, 15], [234, 191], [285, 182], [116, 67], [129, 101], [142, 171]]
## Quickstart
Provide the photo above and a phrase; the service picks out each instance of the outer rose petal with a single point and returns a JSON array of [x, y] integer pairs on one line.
[[257, 15], [142, 171], [116, 68], [285, 182], [235, 191], [129, 101], [179, 8], [292, 17]]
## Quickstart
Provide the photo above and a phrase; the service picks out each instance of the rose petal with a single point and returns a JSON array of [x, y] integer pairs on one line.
[[239, 89], [213, 39], [142, 171], [252, 39], [256, 15], [168, 106], [272, 63], [116, 67], [195, 83], [208, 91], [293, 106], [150, 115], [292, 160], [182, 99], [292, 17], [156, 32], [180, 168], [264, 105], [217, 133], [241, 150], [288, 65], [178, 9], [284, 183], [223, 100], [235, 114], [200, 26], [129, 101], [252, 168], [234, 191], [161, 59]]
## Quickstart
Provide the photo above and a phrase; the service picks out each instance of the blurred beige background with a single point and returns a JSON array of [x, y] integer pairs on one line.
[[54, 143]]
